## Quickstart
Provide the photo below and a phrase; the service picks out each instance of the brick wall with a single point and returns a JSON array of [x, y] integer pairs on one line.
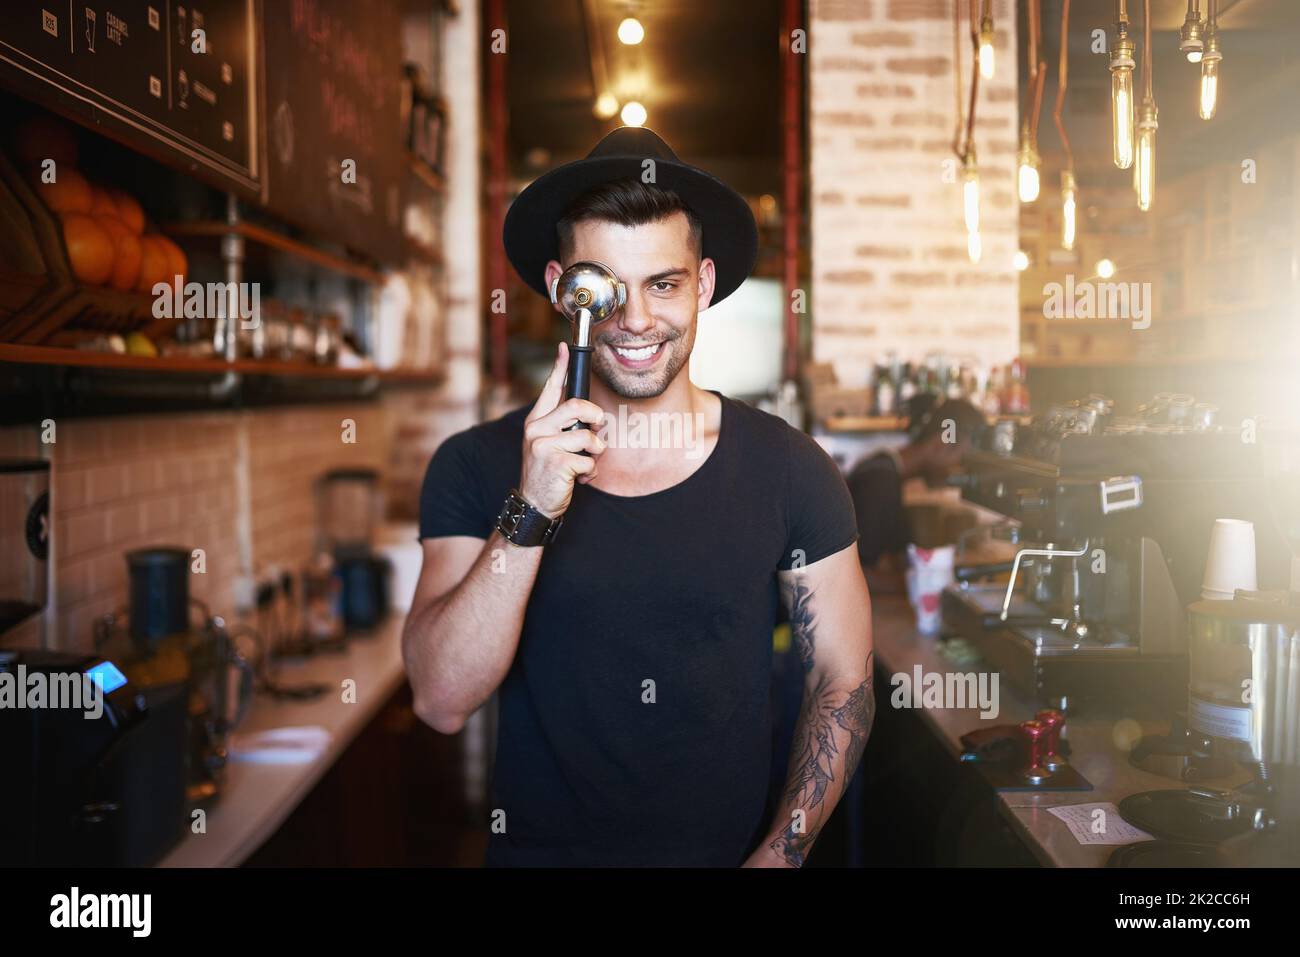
[[889, 264], [127, 483]]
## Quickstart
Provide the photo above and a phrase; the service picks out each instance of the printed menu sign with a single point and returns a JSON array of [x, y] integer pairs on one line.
[[334, 148], [176, 81]]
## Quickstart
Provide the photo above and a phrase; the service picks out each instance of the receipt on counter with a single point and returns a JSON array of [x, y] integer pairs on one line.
[[1098, 824]]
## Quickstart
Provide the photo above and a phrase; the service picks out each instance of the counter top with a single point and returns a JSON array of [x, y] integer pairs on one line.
[[257, 798], [1095, 751]]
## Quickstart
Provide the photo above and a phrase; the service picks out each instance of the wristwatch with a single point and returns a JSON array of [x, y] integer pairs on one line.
[[521, 524]]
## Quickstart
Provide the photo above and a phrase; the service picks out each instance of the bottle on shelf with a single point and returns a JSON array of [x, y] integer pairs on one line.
[[886, 391]]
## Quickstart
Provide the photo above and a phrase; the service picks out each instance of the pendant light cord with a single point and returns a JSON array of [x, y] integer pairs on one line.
[[1061, 85]]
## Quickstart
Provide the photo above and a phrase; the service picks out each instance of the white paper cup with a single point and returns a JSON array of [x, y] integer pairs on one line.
[[929, 571], [1230, 563]]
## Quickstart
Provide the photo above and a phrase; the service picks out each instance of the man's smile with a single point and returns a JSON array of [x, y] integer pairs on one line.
[[638, 356]]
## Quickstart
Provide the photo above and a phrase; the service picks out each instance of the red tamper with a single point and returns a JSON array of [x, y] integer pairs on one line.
[[1053, 759], [1035, 734]]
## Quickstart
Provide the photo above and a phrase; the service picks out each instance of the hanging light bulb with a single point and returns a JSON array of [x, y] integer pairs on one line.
[[970, 194], [1105, 268], [1069, 209], [1121, 95], [1146, 154], [1210, 73], [633, 114], [1190, 37], [1020, 260], [1146, 121], [986, 43], [630, 31], [1027, 161], [606, 106]]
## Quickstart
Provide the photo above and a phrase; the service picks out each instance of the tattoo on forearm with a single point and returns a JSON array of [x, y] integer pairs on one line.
[[856, 716], [813, 768], [803, 622]]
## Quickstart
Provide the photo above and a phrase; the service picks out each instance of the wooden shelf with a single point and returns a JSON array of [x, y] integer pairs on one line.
[[426, 174], [85, 358], [1135, 361], [865, 423], [270, 239]]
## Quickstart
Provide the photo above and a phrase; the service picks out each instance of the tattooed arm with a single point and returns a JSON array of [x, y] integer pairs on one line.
[[830, 621]]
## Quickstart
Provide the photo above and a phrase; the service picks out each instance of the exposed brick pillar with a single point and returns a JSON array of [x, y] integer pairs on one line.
[[889, 263]]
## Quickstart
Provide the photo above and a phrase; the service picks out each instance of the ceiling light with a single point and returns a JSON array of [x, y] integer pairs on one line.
[[1190, 37], [1105, 268], [986, 42], [1121, 90], [1210, 66], [1021, 259], [631, 32], [1146, 122], [1027, 175], [633, 114], [1069, 209], [970, 191], [606, 106]]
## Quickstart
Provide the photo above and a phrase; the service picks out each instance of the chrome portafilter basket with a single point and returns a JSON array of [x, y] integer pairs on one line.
[[587, 293]]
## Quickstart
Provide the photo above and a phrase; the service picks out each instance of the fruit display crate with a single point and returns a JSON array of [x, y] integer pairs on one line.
[[41, 300]]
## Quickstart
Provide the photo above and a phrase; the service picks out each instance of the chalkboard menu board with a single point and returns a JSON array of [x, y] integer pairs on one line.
[[176, 81], [334, 145]]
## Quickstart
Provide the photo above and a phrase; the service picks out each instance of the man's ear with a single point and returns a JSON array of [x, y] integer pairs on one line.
[[553, 271], [708, 277]]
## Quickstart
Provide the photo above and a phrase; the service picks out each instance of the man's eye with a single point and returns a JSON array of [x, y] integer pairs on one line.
[[663, 285]]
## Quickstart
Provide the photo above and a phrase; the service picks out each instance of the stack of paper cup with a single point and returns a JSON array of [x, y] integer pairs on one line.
[[929, 570], [1231, 562]]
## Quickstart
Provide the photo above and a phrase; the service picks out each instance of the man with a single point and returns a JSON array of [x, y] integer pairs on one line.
[[876, 483], [632, 652]]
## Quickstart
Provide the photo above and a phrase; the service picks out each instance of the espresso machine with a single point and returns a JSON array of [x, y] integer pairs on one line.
[[24, 541], [1112, 518]]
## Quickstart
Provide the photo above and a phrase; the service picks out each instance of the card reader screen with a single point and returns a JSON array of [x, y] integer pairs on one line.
[[107, 673]]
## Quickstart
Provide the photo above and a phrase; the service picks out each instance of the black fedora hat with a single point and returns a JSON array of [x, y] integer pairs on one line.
[[730, 235]]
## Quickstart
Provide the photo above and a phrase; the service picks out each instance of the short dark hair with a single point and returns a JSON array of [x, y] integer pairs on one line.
[[970, 421], [627, 202]]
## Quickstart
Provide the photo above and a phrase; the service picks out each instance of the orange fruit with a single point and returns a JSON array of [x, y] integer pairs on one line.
[[69, 193], [127, 253], [90, 250], [128, 209], [154, 265], [101, 204], [177, 264]]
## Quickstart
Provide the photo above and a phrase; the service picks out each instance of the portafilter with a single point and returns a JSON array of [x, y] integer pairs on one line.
[[587, 293]]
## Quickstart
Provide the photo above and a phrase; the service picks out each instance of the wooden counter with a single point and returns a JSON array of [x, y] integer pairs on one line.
[[258, 797], [1095, 754]]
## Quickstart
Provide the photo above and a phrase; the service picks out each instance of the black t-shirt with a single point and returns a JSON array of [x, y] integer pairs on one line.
[[595, 765], [877, 491]]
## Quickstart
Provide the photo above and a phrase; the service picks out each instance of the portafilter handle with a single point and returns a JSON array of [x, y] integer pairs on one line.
[[587, 293]]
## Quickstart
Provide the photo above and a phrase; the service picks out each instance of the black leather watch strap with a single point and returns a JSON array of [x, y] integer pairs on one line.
[[521, 524]]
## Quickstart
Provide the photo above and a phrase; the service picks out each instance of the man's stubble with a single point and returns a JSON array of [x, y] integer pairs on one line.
[[627, 384]]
